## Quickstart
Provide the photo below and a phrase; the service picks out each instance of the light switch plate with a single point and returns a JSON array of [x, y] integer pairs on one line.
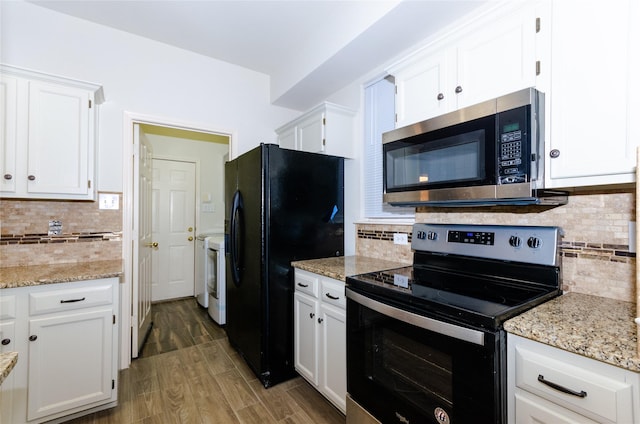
[[400, 238], [109, 201]]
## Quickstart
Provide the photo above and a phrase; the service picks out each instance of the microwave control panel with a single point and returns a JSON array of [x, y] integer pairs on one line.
[[513, 146]]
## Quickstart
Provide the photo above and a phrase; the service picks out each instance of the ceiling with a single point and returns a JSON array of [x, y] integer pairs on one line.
[[309, 48]]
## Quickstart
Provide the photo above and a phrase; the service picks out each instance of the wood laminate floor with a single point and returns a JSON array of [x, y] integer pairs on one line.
[[188, 373]]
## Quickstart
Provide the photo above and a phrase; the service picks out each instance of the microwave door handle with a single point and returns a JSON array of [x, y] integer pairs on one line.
[[440, 327]]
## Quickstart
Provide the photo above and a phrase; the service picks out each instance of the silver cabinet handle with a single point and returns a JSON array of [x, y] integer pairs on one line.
[[440, 96], [459, 89], [8, 176], [554, 153], [31, 177]]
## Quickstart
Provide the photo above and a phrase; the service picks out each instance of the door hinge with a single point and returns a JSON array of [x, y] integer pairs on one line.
[[537, 67], [324, 121], [89, 103], [114, 319], [537, 25], [396, 117], [113, 384], [88, 183], [324, 142]]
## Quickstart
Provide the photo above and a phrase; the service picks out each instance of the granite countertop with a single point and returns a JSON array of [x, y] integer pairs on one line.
[[340, 267], [23, 276], [8, 360], [595, 327]]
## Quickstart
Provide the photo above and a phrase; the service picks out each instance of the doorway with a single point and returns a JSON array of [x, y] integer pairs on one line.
[[172, 143]]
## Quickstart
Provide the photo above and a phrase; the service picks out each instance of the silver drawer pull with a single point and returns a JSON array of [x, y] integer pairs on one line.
[[332, 297], [580, 394], [303, 285], [72, 300]]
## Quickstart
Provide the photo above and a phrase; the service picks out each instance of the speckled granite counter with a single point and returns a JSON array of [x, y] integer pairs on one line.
[[23, 276], [8, 360], [592, 326], [342, 266]]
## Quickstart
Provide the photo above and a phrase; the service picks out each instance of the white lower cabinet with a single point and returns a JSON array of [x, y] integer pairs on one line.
[[66, 336], [320, 335], [550, 385]]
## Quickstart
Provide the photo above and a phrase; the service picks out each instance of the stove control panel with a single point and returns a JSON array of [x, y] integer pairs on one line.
[[529, 244]]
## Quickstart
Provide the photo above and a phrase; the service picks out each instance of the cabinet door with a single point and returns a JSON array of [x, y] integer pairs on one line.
[[421, 90], [497, 59], [287, 138], [306, 336], [8, 134], [59, 140], [531, 409], [590, 93], [70, 361], [333, 333], [311, 134]]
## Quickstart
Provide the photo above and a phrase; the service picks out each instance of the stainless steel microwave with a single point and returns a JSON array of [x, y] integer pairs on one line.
[[491, 153]]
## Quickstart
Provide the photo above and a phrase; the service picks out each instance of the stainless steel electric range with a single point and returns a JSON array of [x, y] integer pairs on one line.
[[425, 343]]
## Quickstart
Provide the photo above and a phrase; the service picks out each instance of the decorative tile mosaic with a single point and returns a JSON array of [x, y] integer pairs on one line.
[[88, 233]]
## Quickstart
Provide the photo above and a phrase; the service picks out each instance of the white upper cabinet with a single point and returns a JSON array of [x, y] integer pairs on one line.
[[482, 58], [327, 128], [48, 147], [594, 93]]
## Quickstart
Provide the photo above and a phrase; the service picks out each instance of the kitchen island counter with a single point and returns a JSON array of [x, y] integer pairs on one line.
[[596, 327], [341, 267], [24, 276]]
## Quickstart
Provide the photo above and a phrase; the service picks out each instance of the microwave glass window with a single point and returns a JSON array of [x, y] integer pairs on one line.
[[456, 158]]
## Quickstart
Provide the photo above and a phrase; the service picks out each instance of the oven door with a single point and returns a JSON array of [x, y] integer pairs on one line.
[[408, 368]]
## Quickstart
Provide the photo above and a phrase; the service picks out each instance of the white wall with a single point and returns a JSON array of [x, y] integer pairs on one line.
[[142, 77]]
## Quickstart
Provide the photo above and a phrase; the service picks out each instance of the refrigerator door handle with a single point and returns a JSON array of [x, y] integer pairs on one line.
[[236, 229]]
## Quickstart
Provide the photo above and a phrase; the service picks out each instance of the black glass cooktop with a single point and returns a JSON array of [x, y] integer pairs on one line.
[[479, 300]]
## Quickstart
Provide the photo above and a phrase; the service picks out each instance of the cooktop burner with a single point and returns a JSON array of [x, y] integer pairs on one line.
[[477, 275]]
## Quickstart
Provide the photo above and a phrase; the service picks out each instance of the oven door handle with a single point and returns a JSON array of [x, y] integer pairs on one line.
[[440, 327]]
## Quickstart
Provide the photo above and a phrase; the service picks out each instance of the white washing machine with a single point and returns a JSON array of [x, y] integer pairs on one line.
[[200, 275], [216, 284]]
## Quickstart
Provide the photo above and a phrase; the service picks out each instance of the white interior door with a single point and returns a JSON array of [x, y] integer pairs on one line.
[[143, 245], [173, 228]]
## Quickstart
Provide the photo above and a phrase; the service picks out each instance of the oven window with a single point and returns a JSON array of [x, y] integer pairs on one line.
[[413, 369], [397, 369]]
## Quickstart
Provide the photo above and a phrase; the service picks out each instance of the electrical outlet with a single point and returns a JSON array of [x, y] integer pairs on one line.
[[400, 238], [207, 207]]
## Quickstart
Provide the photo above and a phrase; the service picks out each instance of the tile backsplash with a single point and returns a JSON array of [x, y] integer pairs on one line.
[[595, 247], [87, 234]]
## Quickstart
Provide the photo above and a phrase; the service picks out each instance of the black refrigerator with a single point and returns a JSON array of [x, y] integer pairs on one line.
[[281, 205]]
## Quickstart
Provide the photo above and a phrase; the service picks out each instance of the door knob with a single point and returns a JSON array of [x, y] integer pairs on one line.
[[154, 244], [190, 238], [190, 229]]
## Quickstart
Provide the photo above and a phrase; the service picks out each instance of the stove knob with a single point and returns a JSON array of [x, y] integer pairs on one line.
[[515, 241], [534, 242], [432, 235], [421, 235]]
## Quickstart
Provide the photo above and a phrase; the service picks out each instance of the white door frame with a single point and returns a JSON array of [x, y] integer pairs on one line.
[[129, 119]]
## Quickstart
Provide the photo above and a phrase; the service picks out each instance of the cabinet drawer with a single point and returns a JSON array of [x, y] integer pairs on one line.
[[333, 293], [307, 282], [596, 396], [70, 299], [7, 307]]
